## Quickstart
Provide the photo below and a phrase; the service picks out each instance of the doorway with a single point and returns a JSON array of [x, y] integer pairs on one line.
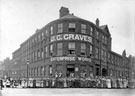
[[70, 70]]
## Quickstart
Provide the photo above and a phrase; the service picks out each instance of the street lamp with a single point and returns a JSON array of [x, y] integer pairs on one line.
[[28, 62]]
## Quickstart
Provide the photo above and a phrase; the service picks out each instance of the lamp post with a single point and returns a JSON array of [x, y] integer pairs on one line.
[[28, 62]]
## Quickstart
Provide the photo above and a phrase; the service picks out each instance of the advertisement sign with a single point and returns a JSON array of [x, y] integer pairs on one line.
[[70, 59], [71, 37]]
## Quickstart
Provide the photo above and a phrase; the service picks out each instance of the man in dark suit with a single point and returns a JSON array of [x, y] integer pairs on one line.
[[1, 84]]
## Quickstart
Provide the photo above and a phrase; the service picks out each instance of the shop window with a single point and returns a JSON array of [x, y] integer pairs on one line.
[[71, 27], [83, 70], [71, 48], [60, 28], [83, 28], [83, 49]]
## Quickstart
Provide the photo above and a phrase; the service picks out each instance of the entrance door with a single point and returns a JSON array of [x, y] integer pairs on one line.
[[104, 72], [70, 70]]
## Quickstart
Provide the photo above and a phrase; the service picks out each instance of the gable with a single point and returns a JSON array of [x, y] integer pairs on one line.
[[105, 29]]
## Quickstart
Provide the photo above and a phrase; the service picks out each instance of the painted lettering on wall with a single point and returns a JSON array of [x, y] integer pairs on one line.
[[70, 59], [71, 37]]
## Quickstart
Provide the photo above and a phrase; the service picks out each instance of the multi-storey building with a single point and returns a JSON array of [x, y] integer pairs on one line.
[[69, 49]]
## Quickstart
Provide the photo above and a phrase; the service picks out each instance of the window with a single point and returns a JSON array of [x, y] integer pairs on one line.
[[83, 28], [41, 70], [83, 48], [51, 50], [97, 34], [44, 70], [47, 33], [91, 30], [42, 35], [42, 53], [50, 69], [59, 49], [103, 38], [90, 50], [60, 28], [46, 51], [51, 29], [97, 53], [71, 48], [71, 27], [38, 52]]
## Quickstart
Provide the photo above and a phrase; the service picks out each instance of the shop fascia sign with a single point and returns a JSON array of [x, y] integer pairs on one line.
[[70, 59], [71, 37]]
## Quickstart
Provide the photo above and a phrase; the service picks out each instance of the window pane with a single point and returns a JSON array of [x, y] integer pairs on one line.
[[71, 45], [59, 45], [71, 25]]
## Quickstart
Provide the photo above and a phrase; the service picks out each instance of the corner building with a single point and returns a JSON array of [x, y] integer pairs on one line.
[[67, 52]]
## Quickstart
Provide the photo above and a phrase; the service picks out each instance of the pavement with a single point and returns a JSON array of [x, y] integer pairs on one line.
[[66, 92]]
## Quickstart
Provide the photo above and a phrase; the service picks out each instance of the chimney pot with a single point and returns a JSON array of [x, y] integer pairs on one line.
[[63, 11]]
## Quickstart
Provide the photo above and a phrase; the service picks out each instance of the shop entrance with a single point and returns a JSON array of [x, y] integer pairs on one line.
[[104, 72], [70, 70]]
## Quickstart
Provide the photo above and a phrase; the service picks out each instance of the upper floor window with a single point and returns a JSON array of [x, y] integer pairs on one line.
[[47, 33], [97, 53], [71, 27], [83, 49], [59, 49], [83, 28], [91, 30], [60, 28], [51, 50], [42, 35], [51, 29], [71, 48], [46, 51], [97, 34], [105, 40], [90, 50], [103, 37]]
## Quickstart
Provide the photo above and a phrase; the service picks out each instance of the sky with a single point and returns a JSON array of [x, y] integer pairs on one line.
[[19, 19]]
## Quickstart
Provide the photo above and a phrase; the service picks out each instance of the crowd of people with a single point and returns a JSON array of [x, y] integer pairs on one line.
[[67, 83]]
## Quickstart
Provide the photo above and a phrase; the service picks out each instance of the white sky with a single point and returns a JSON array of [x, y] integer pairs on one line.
[[20, 19]]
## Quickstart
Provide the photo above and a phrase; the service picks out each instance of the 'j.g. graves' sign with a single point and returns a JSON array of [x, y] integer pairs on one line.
[[70, 59], [71, 37]]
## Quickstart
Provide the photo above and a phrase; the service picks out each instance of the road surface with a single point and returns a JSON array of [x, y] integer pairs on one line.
[[66, 92]]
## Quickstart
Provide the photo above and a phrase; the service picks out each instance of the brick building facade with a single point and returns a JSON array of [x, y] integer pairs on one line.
[[69, 48]]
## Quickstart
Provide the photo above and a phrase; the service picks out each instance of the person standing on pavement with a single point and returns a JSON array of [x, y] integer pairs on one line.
[[1, 84]]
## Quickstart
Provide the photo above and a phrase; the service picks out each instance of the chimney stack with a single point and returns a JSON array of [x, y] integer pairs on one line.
[[97, 22], [63, 11]]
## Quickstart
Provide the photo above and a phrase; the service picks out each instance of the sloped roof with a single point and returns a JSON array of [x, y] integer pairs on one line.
[[105, 29], [69, 16]]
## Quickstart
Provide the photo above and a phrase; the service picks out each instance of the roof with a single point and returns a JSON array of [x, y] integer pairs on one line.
[[69, 16], [105, 29]]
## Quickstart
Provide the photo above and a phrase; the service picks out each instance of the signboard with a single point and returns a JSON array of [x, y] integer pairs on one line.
[[70, 59], [71, 37]]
